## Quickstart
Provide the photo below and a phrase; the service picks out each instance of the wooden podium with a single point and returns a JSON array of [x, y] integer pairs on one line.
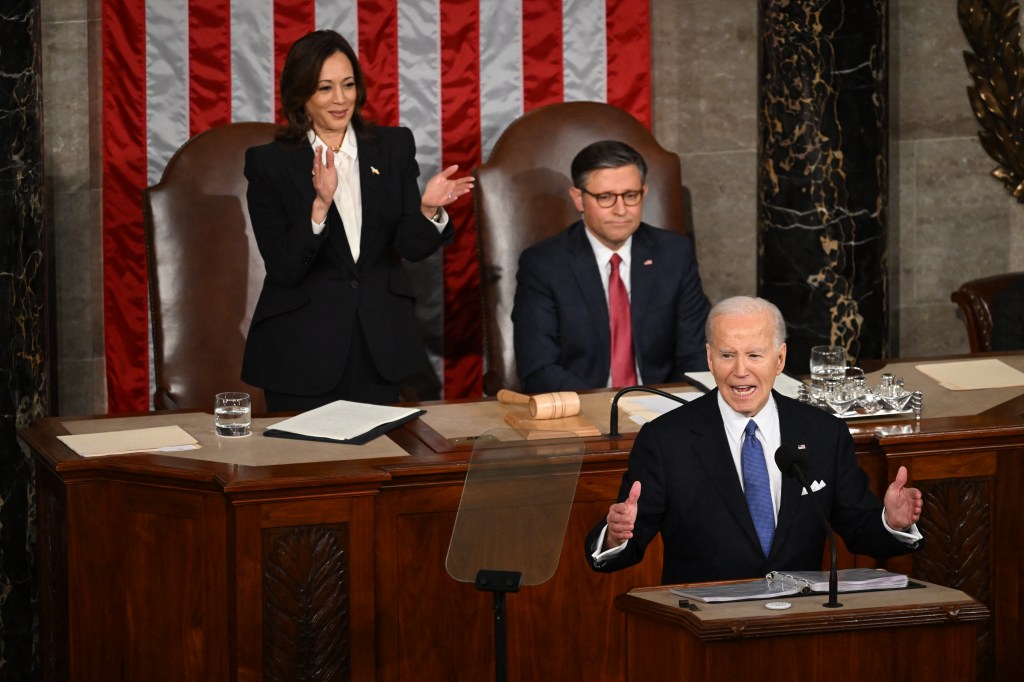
[[926, 633]]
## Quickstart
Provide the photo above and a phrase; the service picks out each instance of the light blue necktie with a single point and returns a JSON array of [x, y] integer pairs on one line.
[[756, 486]]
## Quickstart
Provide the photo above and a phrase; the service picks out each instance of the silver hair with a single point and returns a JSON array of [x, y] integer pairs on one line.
[[748, 305]]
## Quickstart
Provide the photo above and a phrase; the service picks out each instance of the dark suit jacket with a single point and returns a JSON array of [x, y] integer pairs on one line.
[[691, 494], [314, 295], [1008, 318], [561, 330]]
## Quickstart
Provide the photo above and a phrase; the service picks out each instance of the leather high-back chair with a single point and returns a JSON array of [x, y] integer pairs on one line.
[[975, 299], [205, 272], [521, 196]]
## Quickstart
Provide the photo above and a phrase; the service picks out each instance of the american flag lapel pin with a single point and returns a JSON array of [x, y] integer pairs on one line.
[[374, 170], [801, 447], [648, 262]]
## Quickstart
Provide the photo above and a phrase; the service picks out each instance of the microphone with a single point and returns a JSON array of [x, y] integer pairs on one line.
[[613, 418], [793, 463]]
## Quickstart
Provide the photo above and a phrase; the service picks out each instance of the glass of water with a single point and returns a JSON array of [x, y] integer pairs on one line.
[[827, 363], [232, 414]]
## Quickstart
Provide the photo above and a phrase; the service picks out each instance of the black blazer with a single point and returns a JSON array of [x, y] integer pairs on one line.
[[691, 494], [561, 331], [314, 295]]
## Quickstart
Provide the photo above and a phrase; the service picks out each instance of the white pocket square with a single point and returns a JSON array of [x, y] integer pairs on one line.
[[815, 487]]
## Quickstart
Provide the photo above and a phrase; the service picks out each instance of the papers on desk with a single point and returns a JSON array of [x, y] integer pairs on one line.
[[344, 422], [968, 375], [785, 584], [156, 439], [646, 408], [784, 384]]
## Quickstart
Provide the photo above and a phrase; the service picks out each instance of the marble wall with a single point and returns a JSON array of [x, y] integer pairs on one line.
[[823, 180], [949, 220], [24, 290]]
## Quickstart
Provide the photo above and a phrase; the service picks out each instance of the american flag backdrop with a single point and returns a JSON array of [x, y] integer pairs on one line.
[[456, 72]]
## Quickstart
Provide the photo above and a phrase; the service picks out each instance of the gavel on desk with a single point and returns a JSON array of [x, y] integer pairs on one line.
[[544, 405]]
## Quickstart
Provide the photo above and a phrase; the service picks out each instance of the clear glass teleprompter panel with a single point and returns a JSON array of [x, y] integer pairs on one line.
[[515, 506]]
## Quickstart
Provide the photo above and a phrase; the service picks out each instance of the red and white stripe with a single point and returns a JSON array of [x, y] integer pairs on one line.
[[455, 71]]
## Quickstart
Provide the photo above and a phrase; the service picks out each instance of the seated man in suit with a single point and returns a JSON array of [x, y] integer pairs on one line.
[[704, 474], [611, 301], [1008, 318]]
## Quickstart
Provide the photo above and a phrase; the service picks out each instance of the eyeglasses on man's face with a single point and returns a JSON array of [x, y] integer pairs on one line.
[[608, 199]]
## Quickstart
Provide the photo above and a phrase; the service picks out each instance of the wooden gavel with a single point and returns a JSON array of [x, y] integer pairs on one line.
[[544, 405]]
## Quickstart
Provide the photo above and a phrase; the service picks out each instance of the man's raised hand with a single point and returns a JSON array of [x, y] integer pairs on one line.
[[620, 519]]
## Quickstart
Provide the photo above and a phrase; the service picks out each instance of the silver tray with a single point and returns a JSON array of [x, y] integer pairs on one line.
[[880, 414]]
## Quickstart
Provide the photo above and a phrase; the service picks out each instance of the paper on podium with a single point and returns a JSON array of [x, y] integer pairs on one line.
[[344, 421], [155, 439], [646, 408], [968, 375]]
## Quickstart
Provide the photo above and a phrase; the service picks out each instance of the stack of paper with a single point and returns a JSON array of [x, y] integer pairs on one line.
[[344, 422]]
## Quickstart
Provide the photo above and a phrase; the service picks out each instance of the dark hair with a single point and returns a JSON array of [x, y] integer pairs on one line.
[[605, 154], [301, 76]]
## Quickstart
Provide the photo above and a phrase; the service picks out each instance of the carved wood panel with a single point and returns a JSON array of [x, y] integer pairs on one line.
[[958, 549], [306, 605]]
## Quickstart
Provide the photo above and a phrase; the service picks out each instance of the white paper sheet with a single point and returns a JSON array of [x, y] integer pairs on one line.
[[343, 420], [644, 408], [969, 375]]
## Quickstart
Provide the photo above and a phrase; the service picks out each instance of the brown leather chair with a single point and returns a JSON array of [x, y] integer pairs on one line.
[[205, 272], [975, 300], [521, 196]]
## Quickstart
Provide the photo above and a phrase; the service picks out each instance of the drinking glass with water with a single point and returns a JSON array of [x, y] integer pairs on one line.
[[828, 363], [232, 414]]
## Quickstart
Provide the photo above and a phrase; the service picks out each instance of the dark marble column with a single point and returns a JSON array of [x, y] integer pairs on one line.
[[823, 173], [24, 357]]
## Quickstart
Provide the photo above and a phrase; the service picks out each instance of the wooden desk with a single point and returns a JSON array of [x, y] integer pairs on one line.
[[157, 567], [926, 633]]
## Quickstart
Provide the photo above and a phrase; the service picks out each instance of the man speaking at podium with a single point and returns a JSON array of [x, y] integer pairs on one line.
[[704, 474]]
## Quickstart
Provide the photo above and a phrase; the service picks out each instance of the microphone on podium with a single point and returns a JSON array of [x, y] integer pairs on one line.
[[613, 418], [793, 463]]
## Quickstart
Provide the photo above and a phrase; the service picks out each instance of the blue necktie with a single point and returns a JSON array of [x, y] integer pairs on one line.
[[756, 487]]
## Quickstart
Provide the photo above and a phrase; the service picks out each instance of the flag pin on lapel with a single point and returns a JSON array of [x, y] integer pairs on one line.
[[374, 170], [801, 447], [648, 262]]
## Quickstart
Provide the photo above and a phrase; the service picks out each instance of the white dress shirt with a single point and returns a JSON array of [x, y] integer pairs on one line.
[[348, 195]]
